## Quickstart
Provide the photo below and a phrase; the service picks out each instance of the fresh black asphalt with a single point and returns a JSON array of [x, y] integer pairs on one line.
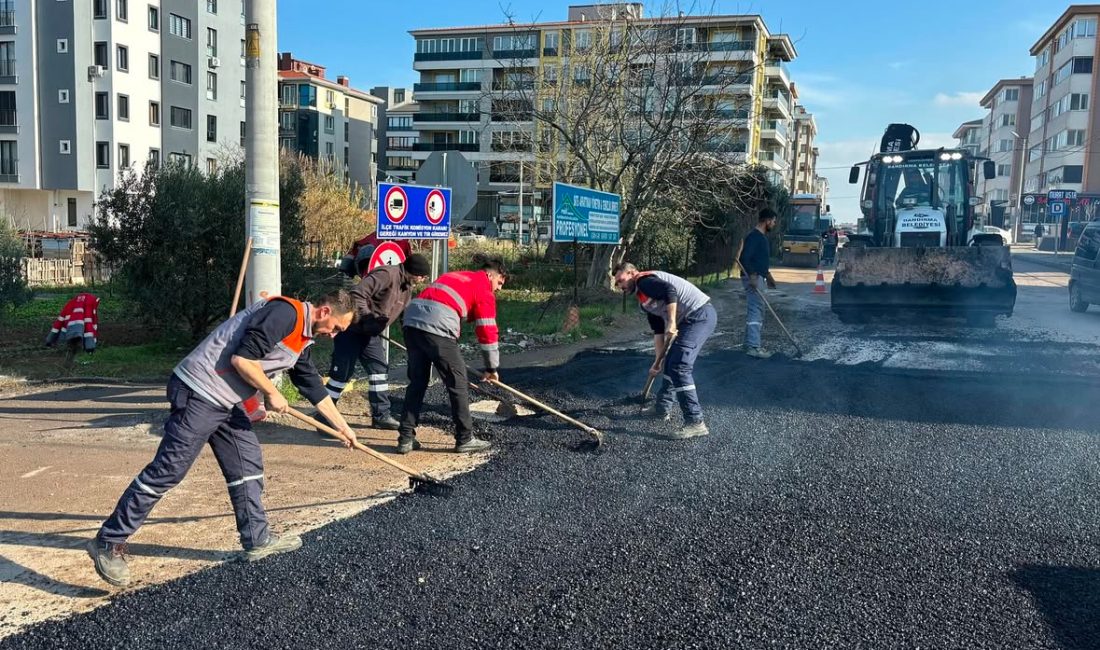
[[830, 507]]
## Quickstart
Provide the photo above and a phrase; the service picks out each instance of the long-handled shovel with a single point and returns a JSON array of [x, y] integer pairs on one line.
[[774, 315], [504, 409], [558, 414], [240, 278], [649, 380], [418, 481]]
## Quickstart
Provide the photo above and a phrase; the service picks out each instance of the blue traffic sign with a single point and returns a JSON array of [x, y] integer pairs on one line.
[[585, 216], [413, 212], [1057, 209]]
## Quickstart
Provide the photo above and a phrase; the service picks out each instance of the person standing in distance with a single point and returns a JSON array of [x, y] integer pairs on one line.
[[754, 260]]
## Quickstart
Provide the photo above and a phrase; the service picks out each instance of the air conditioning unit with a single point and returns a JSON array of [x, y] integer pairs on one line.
[[96, 72], [214, 62], [332, 105]]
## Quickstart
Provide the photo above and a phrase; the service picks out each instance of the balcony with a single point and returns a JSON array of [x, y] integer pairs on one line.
[[516, 84], [773, 160], [7, 71], [399, 127], [446, 117], [728, 79], [515, 54], [7, 18], [720, 46], [447, 87], [778, 101], [777, 70], [446, 146], [447, 56]]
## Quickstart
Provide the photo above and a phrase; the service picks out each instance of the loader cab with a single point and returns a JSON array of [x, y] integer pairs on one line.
[[919, 198]]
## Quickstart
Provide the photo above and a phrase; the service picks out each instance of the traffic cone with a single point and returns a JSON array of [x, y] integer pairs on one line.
[[819, 284]]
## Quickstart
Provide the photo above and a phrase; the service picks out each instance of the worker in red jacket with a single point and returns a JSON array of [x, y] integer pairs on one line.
[[78, 322], [433, 323]]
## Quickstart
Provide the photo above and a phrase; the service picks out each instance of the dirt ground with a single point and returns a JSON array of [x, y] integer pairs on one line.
[[70, 450]]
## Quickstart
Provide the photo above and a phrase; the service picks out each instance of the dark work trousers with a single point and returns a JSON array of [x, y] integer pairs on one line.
[[348, 348], [193, 423], [427, 350], [680, 363]]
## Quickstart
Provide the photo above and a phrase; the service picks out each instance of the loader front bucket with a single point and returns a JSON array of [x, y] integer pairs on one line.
[[971, 281]]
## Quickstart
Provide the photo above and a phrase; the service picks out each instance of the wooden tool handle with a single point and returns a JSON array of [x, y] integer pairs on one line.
[[240, 277], [358, 445], [472, 384], [548, 409], [652, 378]]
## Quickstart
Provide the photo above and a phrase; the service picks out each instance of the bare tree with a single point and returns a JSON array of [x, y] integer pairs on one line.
[[628, 106]]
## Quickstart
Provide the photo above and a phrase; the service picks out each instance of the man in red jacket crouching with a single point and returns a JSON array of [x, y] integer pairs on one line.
[[433, 323]]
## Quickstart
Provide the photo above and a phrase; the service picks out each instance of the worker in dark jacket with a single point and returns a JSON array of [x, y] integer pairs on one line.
[[679, 311], [214, 394], [754, 260], [380, 297]]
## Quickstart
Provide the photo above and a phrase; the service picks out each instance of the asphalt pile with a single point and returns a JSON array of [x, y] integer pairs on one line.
[[830, 507]]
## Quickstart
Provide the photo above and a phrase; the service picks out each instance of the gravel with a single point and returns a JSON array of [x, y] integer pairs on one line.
[[830, 507]]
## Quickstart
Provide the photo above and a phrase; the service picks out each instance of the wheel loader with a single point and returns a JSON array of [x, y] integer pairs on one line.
[[922, 249]]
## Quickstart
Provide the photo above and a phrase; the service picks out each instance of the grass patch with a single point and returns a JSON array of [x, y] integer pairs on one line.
[[46, 304], [150, 361]]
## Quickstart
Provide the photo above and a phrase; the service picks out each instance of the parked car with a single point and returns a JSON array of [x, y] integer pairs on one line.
[[1006, 235], [1084, 275]]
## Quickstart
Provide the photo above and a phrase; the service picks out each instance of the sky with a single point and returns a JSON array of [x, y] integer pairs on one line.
[[861, 64]]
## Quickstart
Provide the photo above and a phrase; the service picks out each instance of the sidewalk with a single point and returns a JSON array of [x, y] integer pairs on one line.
[[1061, 262]]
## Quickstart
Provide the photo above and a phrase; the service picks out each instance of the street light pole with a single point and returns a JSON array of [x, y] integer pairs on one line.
[[264, 277], [1021, 171]]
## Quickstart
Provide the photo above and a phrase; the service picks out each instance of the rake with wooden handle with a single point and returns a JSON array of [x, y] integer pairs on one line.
[[418, 481], [558, 414], [240, 278]]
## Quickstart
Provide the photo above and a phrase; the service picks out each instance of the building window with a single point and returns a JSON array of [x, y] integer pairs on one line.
[[99, 54], [330, 124], [180, 72], [242, 133], [180, 117], [124, 107], [1072, 173], [102, 106], [63, 96], [211, 41], [211, 166], [122, 10], [244, 89], [307, 95], [7, 58], [99, 9], [243, 53], [347, 130], [178, 158], [1010, 95], [288, 120], [62, 46], [399, 96], [1042, 58], [70, 204], [330, 99], [1008, 119], [582, 39], [1075, 137], [211, 85], [65, 147], [179, 26], [211, 128], [1004, 170], [103, 155], [1079, 102], [288, 95], [154, 66], [154, 113], [123, 58], [8, 115], [1004, 145], [9, 159], [123, 156], [154, 157], [1082, 65], [154, 19], [212, 6]]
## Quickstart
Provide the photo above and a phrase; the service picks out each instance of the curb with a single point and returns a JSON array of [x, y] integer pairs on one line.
[[1061, 266]]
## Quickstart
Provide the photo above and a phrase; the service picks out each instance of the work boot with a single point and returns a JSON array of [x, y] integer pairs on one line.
[[472, 445], [272, 546], [385, 421], [657, 413], [406, 445], [757, 352], [689, 430], [110, 561]]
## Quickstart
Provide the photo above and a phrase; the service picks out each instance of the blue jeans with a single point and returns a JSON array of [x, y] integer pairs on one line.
[[680, 364], [754, 320]]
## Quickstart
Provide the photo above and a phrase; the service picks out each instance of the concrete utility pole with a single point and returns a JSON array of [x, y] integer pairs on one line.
[[261, 151]]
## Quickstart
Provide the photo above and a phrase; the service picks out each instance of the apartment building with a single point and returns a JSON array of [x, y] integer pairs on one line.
[[92, 87], [396, 137], [329, 121], [804, 153], [1002, 139], [1062, 150], [462, 66], [969, 137]]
